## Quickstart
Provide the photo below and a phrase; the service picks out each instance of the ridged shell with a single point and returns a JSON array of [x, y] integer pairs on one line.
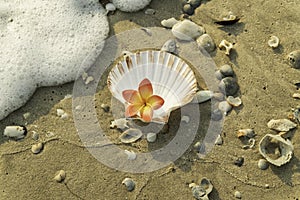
[[171, 78]]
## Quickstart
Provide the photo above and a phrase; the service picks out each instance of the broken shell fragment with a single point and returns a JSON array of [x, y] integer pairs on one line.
[[206, 42], [202, 190], [187, 30], [281, 124], [131, 135], [169, 23], [60, 176], [294, 59], [273, 41], [37, 148], [249, 133], [234, 101], [275, 149], [16, 132], [296, 95], [206, 184], [129, 183], [228, 20], [119, 123], [170, 46], [226, 46]]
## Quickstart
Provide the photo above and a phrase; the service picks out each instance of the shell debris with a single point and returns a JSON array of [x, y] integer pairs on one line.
[[129, 183], [226, 46], [150, 11], [281, 124], [169, 23], [130, 135], [16, 132], [151, 137], [263, 164], [249, 133], [273, 41], [234, 101], [60, 176], [37, 148], [119, 123]]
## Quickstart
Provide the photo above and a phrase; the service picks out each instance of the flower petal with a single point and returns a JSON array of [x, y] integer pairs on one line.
[[132, 96], [132, 110], [155, 102], [146, 113], [145, 89]]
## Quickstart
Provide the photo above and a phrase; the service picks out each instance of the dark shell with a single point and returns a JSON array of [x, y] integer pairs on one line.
[[227, 22]]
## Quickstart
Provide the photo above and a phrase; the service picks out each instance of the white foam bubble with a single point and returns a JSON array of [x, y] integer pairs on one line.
[[43, 43]]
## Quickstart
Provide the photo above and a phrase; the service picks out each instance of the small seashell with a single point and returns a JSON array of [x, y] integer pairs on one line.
[[150, 11], [228, 86], [16, 132], [60, 112], [206, 42], [275, 149], [228, 20], [202, 96], [37, 148], [188, 9], [225, 45], [105, 107], [239, 161], [170, 46], [225, 107], [234, 101], [273, 41], [294, 59], [206, 184], [129, 183], [26, 115], [130, 155], [151, 137], [187, 30], [35, 135], [281, 124], [131, 135], [296, 95], [219, 140], [263, 164], [194, 3], [250, 145], [249, 133], [237, 195], [199, 193], [119, 123], [110, 7], [60, 176], [226, 70], [185, 119], [169, 23]]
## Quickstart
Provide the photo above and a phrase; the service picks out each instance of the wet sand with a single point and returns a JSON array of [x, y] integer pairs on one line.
[[266, 85]]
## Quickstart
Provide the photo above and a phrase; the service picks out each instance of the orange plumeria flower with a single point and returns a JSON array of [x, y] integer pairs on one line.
[[142, 102]]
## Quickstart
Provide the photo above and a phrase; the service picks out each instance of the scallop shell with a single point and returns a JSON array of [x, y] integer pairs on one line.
[[275, 149], [171, 78], [131, 135]]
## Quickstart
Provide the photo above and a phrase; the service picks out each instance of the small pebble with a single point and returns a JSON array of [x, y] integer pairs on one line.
[[16, 132], [187, 30], [35, 135], [59, 112], [60, 176], [105, 107], [267, 186], [263, 164], [110, 7], [169, 23], [26, 115], [206, 42], [129, 183], [228, 86], [150, 11], [170, 46], [151, 137], [226, 70], [188, 9], [37, 148], [218, 96], [239, 161], [294, 59], [216, 115], [225, 107], [185, 119], [296, 95], [219, 75], [237, 195], [197, 145], [194, 3], [130, 155]]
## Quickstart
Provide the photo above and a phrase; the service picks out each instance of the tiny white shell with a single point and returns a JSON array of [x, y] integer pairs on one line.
[[237, 195], [151, 137], [225, 107], [60, 112], [130, 155], [131, 135], [64, 116], [234, 101], [225, 45], [17, 132], [26, 115], [119, 123], [60, 176], [37, 148], [273, 41], [129, 183], [281, 124], [169, 23]]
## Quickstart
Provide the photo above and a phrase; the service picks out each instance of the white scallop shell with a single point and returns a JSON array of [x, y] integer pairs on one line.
[[171, 78]]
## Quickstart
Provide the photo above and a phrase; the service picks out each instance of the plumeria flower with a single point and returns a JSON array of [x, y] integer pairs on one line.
[[142, 102]]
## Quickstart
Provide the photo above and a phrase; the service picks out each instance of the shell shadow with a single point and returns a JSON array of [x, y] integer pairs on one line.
[[279, 49], [234, 29]]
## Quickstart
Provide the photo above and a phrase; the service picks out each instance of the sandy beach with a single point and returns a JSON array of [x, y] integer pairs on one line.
[[266, 85]]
